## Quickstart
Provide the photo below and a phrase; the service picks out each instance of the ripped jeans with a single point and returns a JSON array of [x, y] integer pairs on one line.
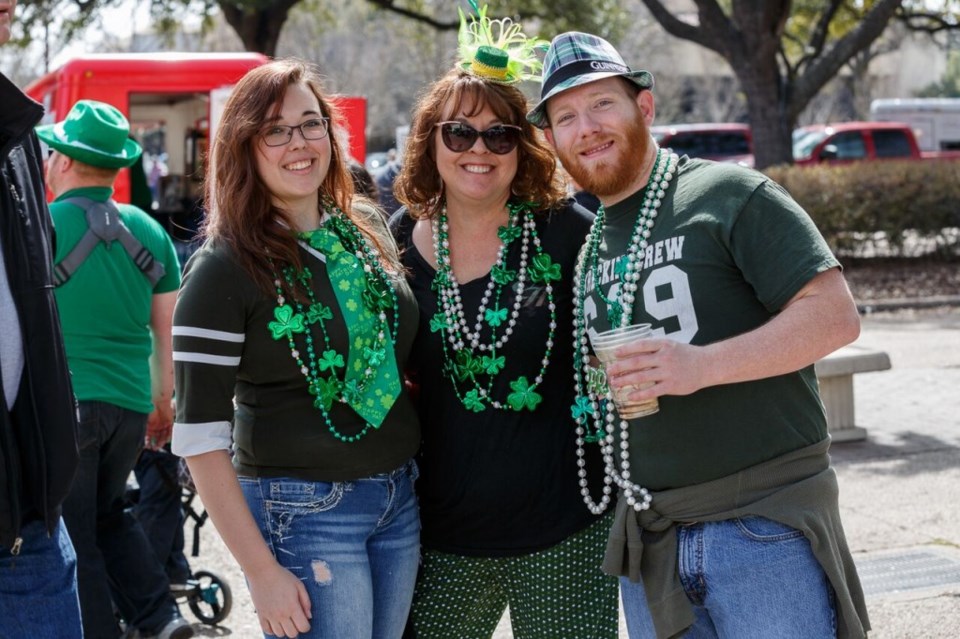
[[354, 544]]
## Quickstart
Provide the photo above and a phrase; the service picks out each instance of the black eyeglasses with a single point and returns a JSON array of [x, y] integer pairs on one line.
[[460, 137], [280, 134]]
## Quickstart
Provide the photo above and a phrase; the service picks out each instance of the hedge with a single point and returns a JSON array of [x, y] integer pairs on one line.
[[904, 207]]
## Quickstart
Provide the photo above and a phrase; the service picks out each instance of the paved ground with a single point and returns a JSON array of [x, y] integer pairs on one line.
[[900, 489]]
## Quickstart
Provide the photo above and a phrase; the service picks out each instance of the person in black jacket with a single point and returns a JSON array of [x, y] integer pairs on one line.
[[38, 445]]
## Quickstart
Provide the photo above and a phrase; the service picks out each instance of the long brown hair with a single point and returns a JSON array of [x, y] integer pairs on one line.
[[419, 184], [240, 211]]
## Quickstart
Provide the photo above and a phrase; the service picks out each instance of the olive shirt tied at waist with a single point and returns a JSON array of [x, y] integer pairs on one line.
[[798, 489]]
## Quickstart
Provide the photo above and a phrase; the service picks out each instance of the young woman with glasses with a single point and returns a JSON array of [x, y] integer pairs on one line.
[[290, 334], [489, 244]]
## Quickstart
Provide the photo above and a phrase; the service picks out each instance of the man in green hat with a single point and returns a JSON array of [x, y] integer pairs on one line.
[[38, 441], [117, 276]]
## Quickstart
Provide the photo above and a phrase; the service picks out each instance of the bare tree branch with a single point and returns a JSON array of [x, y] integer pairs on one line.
[[678, 28], [819, 71], [927, 22], [818, 37], [390, 5]]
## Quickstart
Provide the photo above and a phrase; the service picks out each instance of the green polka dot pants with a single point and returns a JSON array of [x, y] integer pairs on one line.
[[557, 593]]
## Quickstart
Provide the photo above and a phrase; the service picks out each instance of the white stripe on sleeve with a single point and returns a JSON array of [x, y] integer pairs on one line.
[[196, 439], [205, 358], [196, 331]]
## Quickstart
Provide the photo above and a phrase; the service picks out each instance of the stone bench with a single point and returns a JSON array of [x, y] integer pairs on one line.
[[835, 373]]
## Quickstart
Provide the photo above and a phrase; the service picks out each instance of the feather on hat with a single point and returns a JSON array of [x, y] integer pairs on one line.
[[497, 50]]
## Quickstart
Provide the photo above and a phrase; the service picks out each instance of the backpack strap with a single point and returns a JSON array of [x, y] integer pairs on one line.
[[104, 225]]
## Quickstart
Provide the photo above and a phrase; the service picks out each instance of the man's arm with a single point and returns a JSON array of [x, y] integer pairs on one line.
[[160, 422], [816, 321]]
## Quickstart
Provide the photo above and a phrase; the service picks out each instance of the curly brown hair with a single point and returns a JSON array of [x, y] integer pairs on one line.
[[419, 185], [240, 210]]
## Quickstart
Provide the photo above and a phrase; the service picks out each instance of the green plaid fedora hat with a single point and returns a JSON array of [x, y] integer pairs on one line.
[[94, 133], [576, 58]]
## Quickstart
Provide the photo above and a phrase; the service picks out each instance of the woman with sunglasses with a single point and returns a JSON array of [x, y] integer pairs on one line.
[[489, 244], [291, 330]]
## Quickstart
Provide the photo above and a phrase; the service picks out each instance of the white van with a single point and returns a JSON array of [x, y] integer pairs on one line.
[[935, 121]]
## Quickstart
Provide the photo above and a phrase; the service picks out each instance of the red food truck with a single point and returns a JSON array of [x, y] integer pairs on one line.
[[173, 102]]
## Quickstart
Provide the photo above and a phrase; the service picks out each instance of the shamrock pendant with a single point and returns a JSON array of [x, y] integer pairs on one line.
[[614, 313], [287, 322], [523, 395]]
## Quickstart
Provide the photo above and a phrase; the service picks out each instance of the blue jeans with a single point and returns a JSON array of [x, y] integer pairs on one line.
[[38, 587], [159, 511], [354, 544], [747, 577], [115, 562], [185, 250]]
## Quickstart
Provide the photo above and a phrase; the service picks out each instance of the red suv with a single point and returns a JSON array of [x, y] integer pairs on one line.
[[721, 141]]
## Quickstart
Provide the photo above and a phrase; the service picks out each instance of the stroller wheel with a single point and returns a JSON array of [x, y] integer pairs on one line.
[[212, 602]]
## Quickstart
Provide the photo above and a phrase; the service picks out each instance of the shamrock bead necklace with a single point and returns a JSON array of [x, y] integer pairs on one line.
[[467, 358], [379, 296], [592, 400]]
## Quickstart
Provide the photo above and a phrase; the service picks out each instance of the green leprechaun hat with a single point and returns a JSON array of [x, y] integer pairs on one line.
[[497, 50], [94, 133]]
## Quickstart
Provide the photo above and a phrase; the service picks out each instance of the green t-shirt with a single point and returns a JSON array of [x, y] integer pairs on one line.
[[105, 305], [728, 249]]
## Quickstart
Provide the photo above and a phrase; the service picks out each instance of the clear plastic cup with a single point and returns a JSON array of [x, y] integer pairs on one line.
[[604, 344]]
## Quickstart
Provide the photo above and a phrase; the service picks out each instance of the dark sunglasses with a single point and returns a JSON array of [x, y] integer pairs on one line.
[[460, 137]]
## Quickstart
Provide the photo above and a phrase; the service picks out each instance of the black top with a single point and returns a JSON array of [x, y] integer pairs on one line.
[[230, 370], [38, 441], [500, 482], [384, 179]]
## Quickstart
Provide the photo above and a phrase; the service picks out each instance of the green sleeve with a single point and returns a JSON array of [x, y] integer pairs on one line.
[[777, 246]]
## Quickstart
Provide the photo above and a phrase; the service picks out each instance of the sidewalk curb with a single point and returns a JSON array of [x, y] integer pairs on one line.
[[872, 306]]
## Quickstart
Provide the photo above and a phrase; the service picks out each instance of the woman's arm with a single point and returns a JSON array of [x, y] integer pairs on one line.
[[160, 422], [279, 598]]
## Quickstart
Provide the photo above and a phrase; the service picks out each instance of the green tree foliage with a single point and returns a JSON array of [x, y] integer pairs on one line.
[[949, 84], [73, 16], [258, 23]]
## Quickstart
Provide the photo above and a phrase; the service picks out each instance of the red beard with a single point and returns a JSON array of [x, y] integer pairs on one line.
[[612, 177]]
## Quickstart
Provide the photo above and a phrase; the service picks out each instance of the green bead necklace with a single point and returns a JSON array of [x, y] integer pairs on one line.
[[324, 383], [471, 365]]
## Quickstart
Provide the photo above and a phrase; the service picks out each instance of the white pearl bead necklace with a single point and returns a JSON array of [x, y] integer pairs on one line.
[[637, 497]]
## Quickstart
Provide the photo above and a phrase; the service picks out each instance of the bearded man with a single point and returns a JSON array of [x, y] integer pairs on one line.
[[727, 522]]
